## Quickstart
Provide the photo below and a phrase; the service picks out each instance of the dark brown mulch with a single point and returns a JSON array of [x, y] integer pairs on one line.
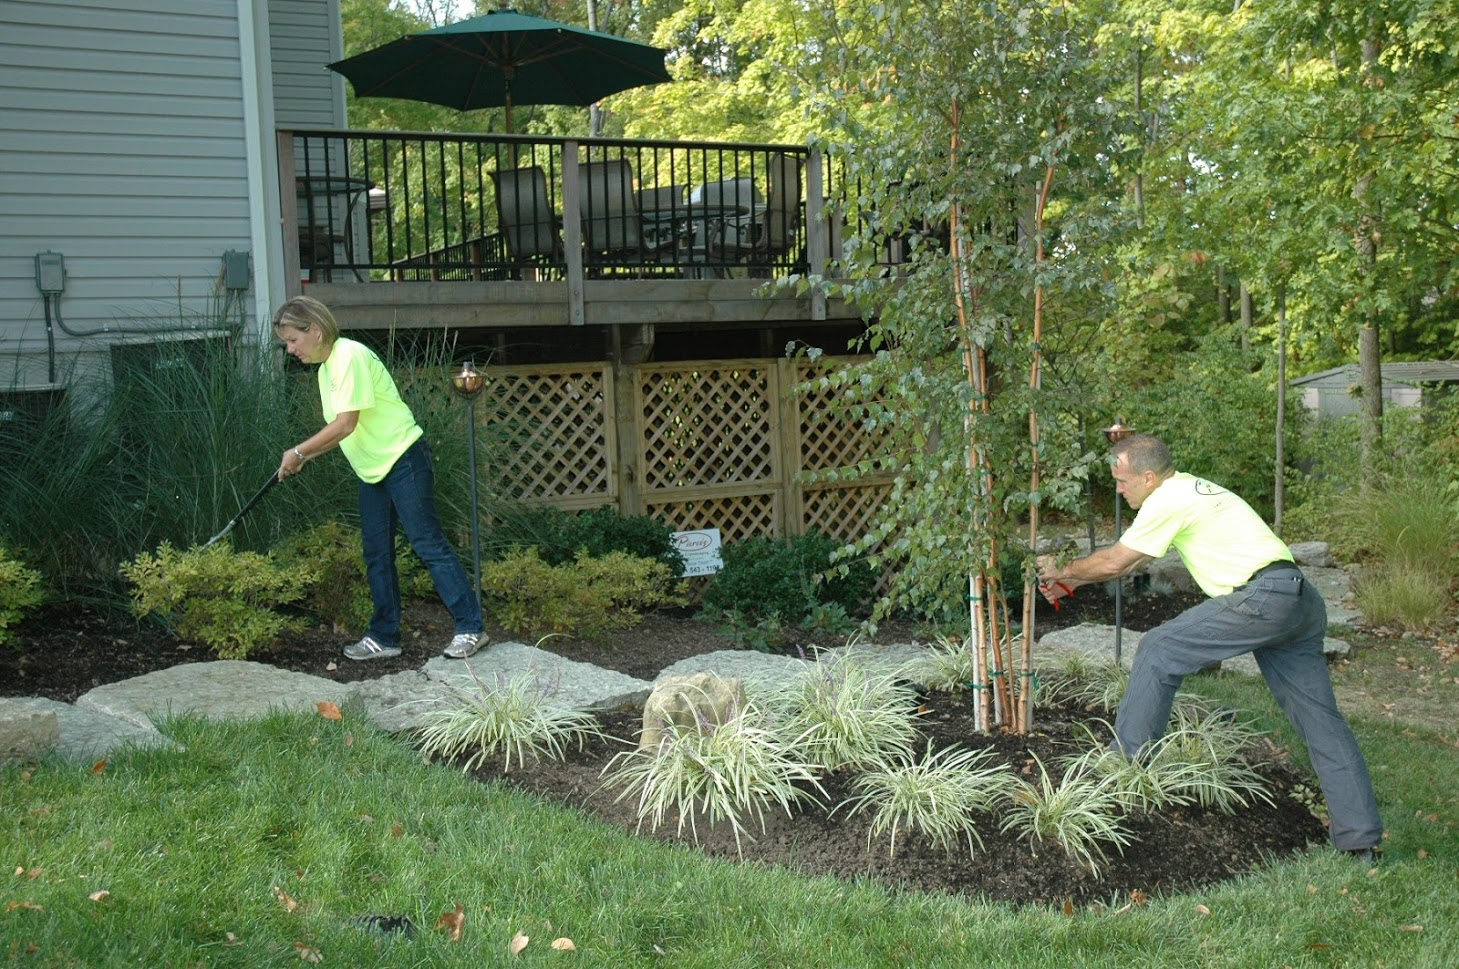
[[61, 653]]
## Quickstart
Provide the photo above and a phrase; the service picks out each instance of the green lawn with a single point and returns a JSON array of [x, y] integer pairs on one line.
[[257, 844]]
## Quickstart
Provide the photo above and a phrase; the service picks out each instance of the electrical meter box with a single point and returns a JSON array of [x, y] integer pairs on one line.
[[235, 269], [50, 272]]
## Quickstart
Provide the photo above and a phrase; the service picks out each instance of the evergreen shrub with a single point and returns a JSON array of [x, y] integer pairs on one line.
[[787, 578], [20, 591], [561, 536]]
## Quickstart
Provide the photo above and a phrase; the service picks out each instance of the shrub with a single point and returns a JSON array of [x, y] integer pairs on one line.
[[938, 796], [1401, 595], [226, 599], [722, 771], [948, 665], [787, 578], [341, 594], [561, 536], [844, 714], [587, 596], [20, 591], [1081, 814], [515, 716]]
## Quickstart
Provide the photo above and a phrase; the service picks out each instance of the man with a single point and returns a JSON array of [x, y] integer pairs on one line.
[[1260, 603]]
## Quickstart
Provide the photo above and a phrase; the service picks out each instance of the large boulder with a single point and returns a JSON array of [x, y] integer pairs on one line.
[[688, 700]]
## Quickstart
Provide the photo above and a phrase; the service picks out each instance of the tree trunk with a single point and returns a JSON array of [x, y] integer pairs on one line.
[[1365, 241]]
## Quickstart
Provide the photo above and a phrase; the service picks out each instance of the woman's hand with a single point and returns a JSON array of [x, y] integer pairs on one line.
[[291, 463]]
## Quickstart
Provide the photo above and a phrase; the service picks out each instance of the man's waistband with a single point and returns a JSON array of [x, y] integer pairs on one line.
[[1277, 566]]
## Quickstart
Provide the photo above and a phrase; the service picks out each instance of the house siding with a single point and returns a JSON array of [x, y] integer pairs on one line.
[[304, 36], [124, 151], [125, 148]]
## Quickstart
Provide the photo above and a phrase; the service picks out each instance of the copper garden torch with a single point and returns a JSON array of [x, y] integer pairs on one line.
[[468, 384]]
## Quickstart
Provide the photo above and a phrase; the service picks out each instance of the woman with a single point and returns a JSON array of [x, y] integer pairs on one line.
[[378, 434]]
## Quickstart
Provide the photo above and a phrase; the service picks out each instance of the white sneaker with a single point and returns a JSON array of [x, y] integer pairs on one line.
[[367, 648], [465, 644]]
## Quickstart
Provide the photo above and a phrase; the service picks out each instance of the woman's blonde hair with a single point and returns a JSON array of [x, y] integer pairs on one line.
[[302, 312]]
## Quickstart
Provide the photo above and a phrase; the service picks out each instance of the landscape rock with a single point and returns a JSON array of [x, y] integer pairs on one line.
[[26, 733], [1317, 554], [1096, 642], [397, 702], [572, 685], [220, 689], [758, 671], [88, 736], [687, 700], [1170, 572]]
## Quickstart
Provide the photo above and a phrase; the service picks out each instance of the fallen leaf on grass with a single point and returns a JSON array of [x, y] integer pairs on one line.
[[519, 942], [1202, 910], [1423, 853], [453, 922], [329, 711], [285, 899], [307, 953], [1410, 928], [100, 896], [99, 766], [564, 945], [30, 905]]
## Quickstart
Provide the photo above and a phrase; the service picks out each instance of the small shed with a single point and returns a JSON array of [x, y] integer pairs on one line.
[[1335, 392]]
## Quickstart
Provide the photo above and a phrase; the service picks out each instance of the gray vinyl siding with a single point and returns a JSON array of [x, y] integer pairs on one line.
[[304, 36], [124, 151]]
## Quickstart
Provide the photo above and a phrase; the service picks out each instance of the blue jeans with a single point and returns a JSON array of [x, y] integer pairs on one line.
[[1281, 620], [407, 497]]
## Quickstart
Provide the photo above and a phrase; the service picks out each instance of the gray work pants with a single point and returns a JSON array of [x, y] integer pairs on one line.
[[1280, 619]]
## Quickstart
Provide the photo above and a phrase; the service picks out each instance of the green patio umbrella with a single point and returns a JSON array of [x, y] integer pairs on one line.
[[503, 58]]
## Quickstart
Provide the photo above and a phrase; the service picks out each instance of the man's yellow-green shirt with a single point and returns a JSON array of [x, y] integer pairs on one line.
[[1221, 540]]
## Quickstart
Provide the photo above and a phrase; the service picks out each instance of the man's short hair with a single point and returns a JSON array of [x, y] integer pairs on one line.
[[1143, 452]]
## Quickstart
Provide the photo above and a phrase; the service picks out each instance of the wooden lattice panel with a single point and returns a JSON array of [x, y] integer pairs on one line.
[[830, 437], [737, 517], [558, 430], [707, 425]]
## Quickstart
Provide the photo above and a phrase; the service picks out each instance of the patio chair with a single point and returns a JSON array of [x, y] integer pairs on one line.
[[528, 225], [725, 224], [662, 213], [608, 206], [782, 221]]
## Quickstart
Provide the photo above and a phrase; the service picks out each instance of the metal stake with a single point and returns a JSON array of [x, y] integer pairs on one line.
[[468, 384], [1116, 433]]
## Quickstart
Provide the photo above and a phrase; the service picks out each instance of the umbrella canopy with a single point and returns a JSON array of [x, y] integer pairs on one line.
[[503, 58]]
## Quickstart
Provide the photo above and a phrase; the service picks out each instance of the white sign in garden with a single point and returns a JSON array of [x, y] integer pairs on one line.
[[700, 550]]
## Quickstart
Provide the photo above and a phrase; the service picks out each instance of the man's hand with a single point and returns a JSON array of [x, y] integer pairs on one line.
[[1050, 586]]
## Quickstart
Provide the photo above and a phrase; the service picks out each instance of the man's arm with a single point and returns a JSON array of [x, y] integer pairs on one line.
[[1104, 564]]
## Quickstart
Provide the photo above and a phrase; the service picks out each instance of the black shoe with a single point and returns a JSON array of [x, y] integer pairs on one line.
[[1368, 856]]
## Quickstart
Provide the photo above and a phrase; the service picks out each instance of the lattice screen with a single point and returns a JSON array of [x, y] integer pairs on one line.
[[708, 425], [719, 444], [737, 517], [843, 513], [558, 425], [829, 438]]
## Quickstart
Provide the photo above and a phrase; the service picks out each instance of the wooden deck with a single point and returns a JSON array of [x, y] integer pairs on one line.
[[409, 231]]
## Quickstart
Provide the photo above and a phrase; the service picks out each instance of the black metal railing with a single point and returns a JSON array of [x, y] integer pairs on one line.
[[394, 206]]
